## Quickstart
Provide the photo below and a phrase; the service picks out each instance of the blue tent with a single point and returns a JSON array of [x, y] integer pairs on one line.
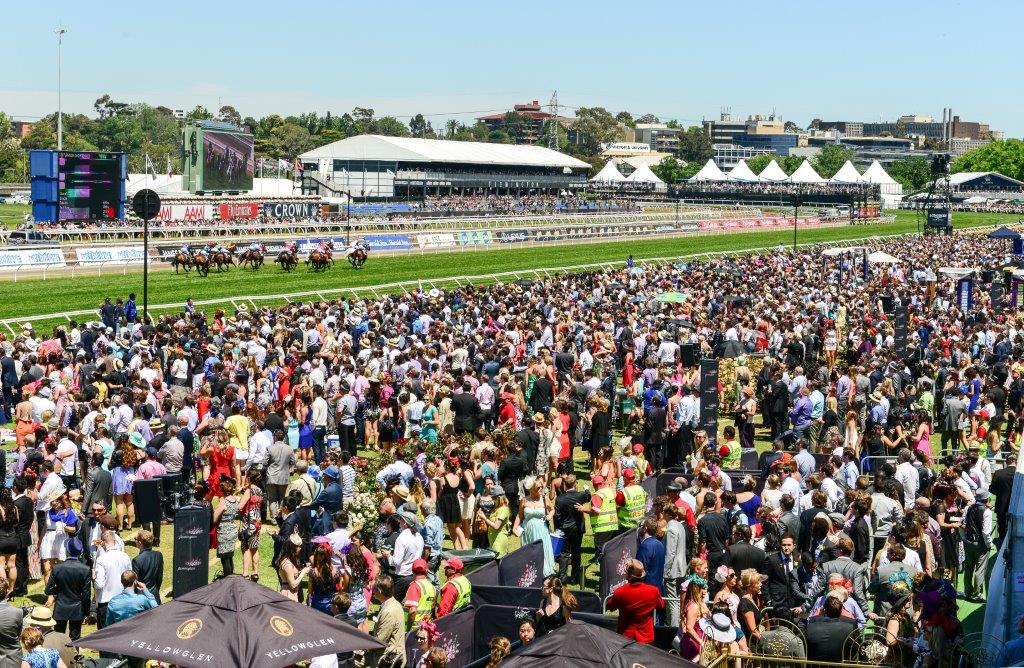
[[1003, 232]]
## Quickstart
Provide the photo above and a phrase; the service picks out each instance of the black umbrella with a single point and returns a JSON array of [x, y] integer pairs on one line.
[[731, 349], [232, 622], [581, 645]]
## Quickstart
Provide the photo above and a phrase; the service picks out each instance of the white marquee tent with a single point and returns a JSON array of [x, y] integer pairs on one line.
[[846, 174], [891, 190], [805, 174], [742, 173], [643, 174], [772, 172], [608, 174], [709, 172]]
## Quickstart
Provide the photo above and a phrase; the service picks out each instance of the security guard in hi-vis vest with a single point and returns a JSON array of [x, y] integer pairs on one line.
[[420, 599], [604, 519], [631, 501], [455, 593]]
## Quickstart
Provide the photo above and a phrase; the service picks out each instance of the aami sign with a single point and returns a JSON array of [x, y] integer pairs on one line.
[[190, 212]]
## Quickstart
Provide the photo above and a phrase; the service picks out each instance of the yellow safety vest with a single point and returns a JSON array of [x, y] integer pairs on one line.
[[465, 588], [632, 511], [606, 518], [425, 606]]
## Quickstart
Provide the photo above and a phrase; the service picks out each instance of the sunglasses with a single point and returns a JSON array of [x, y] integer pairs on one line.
[[422, 638]]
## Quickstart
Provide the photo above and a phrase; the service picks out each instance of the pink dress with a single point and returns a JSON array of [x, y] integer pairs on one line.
[[924, 444], [688, 647]]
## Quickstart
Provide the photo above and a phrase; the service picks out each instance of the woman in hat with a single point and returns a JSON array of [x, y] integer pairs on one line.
[[900, 630], [123, 463], [356, 579], [691, 633], [531, 524], [61, 522], [497, 520], [719, 635], [745, 413]]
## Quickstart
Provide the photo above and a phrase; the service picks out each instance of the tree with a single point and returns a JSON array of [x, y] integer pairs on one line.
[[913, 174], [790, 163], [690, 170], [673, 124], [648, 118], [695, 145], [830, 158], [418, 126], [815, 124], [289, 140], [900, 129], [200, 113], [625, 118], [1005, 156], [228, 114], [669, 170], [561, 136], [790, 126], [759, 162], [595, 126], [515, 127], [389, 126], [106, 107], [41, 135], [363, 117]]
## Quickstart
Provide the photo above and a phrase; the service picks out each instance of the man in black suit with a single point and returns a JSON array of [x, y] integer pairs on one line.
[[510, 472], [713, 529], [819, 503], [466, 409], [529, 439], [827, 633], [97, 492], [741, 555], [779, 404], [69, 589], [788, 518], [148, 564], [1002, 485], [542, 396], [26, 513], [784, 589], [9, 383]]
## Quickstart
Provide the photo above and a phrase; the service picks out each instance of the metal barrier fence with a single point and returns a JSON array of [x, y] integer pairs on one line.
[[403, 286]]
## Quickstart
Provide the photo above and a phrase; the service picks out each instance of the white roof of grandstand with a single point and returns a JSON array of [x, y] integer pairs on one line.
[[742, 173], [643, 174], [171, 185], [709, 172], [608, 174], [772, 172], [962, 177], [846, 174], [409, 149], [805, 174], [876, 174]]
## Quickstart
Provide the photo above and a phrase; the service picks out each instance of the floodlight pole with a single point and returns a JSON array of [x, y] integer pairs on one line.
[[60, 67], [796, 214]]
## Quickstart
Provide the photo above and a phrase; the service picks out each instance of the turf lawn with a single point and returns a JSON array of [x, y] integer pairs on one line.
[[11, 215]]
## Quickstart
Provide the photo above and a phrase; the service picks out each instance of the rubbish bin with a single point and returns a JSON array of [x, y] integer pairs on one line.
[[471, 559]]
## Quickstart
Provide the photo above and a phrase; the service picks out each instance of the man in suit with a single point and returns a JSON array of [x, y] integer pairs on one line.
[[149, 564], [779, 404], [1002, 486], [954, 409], [788, 518], [827, 633], [188, 457], [741, 555], [26, 513], [11, 618], [784, 589], [542, 396], [529, 438], [883, 581], [466, 409], [844, 565], [69, 590], [511, 470], [9, 386], [819, 503], [675, 561], [96, 499]]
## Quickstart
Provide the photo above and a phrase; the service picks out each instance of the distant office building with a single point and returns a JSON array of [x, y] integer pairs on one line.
[[779, 144], [728, 155], [848, 128], [958, 145], [532, 115], [866, 150], [658, 136], [20, 129]]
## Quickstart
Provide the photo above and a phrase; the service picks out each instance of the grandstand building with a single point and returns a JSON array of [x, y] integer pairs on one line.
[[374, 167]]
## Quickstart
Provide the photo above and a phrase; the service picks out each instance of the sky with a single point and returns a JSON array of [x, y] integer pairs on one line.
[[867, 60]]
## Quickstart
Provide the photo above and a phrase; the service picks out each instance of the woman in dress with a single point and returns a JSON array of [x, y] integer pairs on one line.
[[61, 522], [923, 436], [531, 523], [37, 656], [289, 572], [9, 542], [304, 414], [497, 520], [323, 579], [355, 580], [225, 518], [748, 500], [691, 636], [948, 514], [122, 463], [449, 508], [556, 607], [772, 494], [23, 417], [250, 506], [751, 605], [429, 423], [831, 346], [728, 595], [745, 413], [220, 458]]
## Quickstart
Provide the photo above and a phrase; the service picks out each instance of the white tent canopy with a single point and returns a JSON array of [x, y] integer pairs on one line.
[[846, 174], [742, 173], [841, 250], [709, 172], [643, 174], [805, 174], [772, 172], [876, 174], [881, 257], [608, 174]]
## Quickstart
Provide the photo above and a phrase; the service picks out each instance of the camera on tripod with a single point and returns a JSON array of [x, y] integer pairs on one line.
[[940, 165]]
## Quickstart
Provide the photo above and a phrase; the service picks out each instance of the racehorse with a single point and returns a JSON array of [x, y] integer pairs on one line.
[[357, 257], [287, 259], [182, 259], [201, 262], [224, 259], [252, 257], [320, 260]]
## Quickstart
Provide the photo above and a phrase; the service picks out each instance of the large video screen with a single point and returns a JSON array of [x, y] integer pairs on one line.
[[227, 161], [89, 186]]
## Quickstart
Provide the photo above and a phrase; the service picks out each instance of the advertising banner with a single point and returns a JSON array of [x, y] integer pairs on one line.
[[291, 209], [240, 211], [109, 254], [488, 574], [185, 212], [437, 240], [709, 397], [965, 294], [191, 549], [475, 238], [456, 639], [528, 596], [511, 236], [306, 245], [37, 257], [388, 242], [523, 567], [614, 559]]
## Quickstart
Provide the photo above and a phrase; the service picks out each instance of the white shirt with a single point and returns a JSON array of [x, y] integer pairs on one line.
[[791, 487], [259, 444], [106, 574], [51, 483], [408, 548], [319, 418], [907, 476]]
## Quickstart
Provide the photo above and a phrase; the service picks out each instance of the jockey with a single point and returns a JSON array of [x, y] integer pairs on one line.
[[291, 247], [256, 247], [186, 249], [323, 248]]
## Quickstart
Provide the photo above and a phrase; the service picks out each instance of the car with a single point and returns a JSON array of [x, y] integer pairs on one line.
[[27, 237]]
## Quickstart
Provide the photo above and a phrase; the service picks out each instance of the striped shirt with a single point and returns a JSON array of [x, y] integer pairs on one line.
[[348, 482]]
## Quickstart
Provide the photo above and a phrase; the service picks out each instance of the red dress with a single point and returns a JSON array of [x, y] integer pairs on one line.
[[564, 437], [220, 464]]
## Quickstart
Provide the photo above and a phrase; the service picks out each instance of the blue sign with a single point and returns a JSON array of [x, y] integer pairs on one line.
[[386, 242], [512, 236], [965, 294], [475, 238]]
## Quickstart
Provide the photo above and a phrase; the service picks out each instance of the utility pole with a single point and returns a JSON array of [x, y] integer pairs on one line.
[[553, 122], [60, 63]]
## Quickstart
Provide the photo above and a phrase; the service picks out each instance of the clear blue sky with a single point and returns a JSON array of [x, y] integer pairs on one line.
[[683, 60]]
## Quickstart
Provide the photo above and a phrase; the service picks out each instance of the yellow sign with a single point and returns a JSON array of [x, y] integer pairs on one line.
[[281, 626], [189, 628]]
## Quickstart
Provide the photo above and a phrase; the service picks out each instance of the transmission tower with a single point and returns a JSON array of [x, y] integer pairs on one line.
[[553, 122]]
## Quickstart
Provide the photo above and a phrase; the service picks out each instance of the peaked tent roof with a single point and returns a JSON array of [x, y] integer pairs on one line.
[[1003, 232], [805, 174], [876, 174], [608, 174], [580, 645], [772, 172], [846, 174], [709, 172], [742, 173], [643, 174]]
